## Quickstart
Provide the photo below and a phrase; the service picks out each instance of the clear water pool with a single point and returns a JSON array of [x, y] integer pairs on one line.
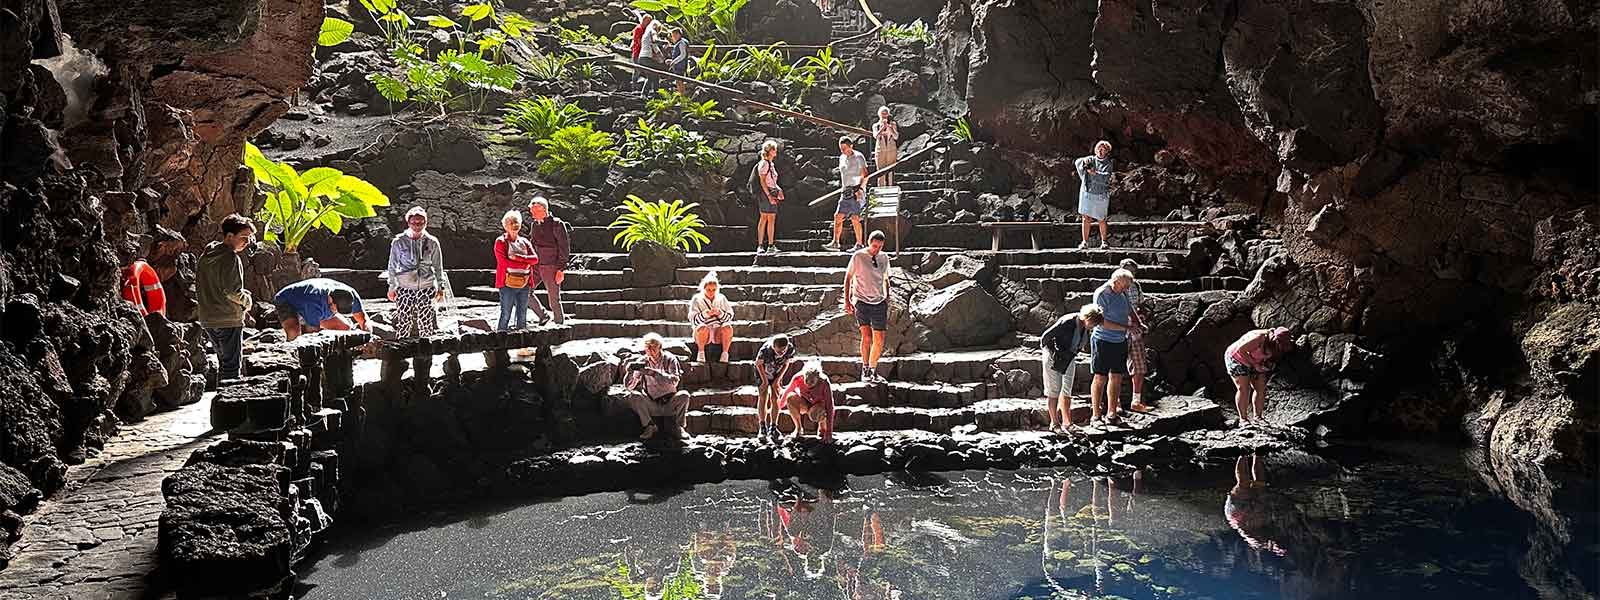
[[1412, 522]]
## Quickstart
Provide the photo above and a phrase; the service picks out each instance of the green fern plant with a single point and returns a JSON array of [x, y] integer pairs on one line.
[[716, 66], [297, 203], [705, 111], [764, 64], [467, 71], [824, 65], [654, 146], [571, 152], [549, 67], [699, 19], [962, 130], [669, 224], [916, 31], [669, 103], [539, 117]]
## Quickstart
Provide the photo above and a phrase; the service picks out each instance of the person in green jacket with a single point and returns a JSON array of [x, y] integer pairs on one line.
[[220, 293]]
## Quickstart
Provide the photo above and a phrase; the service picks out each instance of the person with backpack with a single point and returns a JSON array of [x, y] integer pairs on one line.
[[552, 246], [764, 190]]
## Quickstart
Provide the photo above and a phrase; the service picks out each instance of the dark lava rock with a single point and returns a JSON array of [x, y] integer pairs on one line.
[[791, 21], [224, 529], [654, 264], [964, 314], [16, 492], [959, 268]]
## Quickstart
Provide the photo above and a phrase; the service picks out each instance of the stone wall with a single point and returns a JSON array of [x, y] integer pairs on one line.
[[1427, 165]]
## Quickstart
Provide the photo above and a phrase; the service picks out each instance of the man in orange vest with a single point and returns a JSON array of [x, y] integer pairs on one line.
[[142, 287]]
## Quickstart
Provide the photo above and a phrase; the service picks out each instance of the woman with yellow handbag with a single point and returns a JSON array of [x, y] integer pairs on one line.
[[514, 261]]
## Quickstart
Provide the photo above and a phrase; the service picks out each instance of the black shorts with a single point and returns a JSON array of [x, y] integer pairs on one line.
[[1108, 357], [875, 316]]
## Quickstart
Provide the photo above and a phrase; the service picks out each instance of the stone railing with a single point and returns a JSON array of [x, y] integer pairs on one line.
[[243, 511]]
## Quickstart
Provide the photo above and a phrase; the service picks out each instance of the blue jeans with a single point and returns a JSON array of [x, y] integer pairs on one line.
[[513, 300], [230, 350]]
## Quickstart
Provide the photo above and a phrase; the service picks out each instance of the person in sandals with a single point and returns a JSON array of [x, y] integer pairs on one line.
[[1061, 343]]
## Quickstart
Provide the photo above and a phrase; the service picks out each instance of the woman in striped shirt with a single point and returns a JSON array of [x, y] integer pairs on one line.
[[711, 316]]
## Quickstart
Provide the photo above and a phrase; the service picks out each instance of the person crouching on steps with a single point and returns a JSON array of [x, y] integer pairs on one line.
[[514, 262], [652, 383], [809, 395], [416, 277], [1061, 344], [772, 364], [711, 316], [1249, 361], [767, 199]]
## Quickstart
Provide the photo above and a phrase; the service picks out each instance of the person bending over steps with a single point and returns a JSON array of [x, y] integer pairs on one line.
[[866, 295], [316, 304], [1249, 361], [711, 316], [1061, 344], [809, 396], [652, 383], [772, 366]]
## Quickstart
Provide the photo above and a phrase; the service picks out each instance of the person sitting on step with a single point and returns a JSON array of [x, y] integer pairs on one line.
[[809, 395], [772, 363], [1061, 343], [652, 383], [711, 316]]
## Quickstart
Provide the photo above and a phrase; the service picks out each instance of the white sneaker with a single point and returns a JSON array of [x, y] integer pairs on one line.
[[1083, 245], [1104, 245]]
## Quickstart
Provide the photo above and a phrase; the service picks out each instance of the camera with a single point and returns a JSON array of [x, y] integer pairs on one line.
[[638, 366]]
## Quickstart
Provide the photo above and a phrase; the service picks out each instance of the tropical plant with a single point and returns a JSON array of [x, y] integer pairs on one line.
[[699, 19], [764, 64], [916, 31], [652, 147], [579, 36], [716, 67], [300, 202], [549, 67], [962, 130], [585, 71], [334, 31], [573, 151], [669, 103], [669, 224], [471, 66], [540, 117], [824, 65]]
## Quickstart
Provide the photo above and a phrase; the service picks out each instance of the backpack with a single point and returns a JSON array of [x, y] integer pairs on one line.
[[753, 185]]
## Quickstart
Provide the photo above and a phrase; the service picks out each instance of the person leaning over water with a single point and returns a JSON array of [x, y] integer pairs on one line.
[[711, 316], [416, 277], [1108, 348], [1094, 198], [809, 395], [1249, 360], [772, 363], [316, 304], [1061, 343], [514, 261]]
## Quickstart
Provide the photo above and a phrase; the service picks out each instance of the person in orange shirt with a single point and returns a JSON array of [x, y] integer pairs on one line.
[[142, 287]]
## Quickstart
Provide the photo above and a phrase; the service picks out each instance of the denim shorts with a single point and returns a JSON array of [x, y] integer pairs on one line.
[[1108, 358], [850, 203]]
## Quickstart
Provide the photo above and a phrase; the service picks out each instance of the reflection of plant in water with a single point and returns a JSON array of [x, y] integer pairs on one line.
[[682, 586]]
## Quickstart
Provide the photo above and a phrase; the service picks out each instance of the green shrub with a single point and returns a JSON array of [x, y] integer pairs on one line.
[[574, 151], [549, 67], [669, 103], [539, 117], [466, 73], [652, 147], [823, 65], [700, 19], [300, 202], [916, 31], [669, 224]]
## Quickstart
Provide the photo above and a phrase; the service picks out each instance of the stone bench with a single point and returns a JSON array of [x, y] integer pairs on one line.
[[998, 229]]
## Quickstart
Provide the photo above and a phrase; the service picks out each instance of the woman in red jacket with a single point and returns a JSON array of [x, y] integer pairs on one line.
[[513, 263]]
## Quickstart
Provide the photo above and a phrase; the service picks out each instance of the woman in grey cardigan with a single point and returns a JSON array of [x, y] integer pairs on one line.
[[1094, 199], [416, 277]]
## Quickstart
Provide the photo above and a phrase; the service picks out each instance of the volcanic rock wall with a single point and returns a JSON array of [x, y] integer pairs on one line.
[[1427, 165], [120, 132]]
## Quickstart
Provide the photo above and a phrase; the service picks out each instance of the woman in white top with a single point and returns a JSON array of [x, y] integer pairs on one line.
[[711, 316], [886, 136]]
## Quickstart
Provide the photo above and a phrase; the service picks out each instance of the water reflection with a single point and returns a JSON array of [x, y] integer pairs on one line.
[[1380, 529]]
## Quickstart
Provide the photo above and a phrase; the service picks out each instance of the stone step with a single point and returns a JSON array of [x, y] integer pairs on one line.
[[785, 313], [1146, 257], [1172, 415], [731, 260], [783, 293], [670, 328], [766, 275], [1100, 271], [954, 366], [1054, 288]]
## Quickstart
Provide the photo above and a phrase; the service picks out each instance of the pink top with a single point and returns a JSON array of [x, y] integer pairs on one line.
[[1257, 357], [769, 179], [822, 395]]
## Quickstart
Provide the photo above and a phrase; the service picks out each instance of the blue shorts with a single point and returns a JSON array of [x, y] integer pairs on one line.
[[875, 316], [850, 203], [1108, 358]]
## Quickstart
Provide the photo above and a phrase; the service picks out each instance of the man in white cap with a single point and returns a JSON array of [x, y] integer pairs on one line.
[[416, 277]]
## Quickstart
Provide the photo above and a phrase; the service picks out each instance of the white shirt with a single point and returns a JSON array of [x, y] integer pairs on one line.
[[647, 42]]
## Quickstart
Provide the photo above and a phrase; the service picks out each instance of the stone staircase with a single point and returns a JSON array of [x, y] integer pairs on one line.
[[846, 20]]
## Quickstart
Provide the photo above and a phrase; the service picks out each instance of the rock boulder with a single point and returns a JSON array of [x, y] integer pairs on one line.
[[964, 314], [654, 264]]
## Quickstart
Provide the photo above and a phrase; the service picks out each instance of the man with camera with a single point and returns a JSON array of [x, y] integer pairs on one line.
[[652, 384]]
